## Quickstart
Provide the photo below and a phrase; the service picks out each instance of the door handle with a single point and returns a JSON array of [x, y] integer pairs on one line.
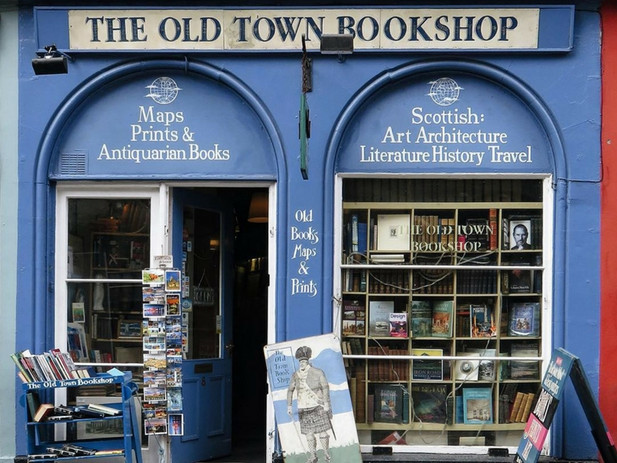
[[229, 348]]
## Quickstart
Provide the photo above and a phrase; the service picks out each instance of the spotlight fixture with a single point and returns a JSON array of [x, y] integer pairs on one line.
[[336, 44], [53, 61]]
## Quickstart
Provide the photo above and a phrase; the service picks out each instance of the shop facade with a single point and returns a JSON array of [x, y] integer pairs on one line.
[[429, 150]]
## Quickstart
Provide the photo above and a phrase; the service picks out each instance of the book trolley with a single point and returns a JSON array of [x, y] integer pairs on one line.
[[40, 435]]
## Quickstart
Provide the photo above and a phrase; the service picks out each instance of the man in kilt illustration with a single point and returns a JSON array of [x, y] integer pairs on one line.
[[314, 407]]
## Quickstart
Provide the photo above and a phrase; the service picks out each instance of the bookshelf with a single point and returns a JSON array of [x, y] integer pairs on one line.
[[115, 311], [54, 438], [442, 256]]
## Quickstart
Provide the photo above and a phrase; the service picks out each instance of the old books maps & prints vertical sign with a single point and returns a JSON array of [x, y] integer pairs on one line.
[[562, 365], [312, 404]]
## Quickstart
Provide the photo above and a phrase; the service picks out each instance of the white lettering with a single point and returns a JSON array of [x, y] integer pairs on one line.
[[299, 286], [509, 156]]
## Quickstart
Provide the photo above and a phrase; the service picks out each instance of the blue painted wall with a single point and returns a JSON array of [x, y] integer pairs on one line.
[[8, 221], [563, 88]]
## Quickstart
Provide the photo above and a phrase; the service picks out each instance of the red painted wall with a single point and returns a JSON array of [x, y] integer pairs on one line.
[[608, 339]]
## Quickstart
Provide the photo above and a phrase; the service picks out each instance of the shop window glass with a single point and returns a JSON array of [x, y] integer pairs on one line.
[[108, 246], [442, 283]]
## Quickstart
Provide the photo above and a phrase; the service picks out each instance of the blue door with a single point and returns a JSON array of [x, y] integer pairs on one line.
[[202, 237]]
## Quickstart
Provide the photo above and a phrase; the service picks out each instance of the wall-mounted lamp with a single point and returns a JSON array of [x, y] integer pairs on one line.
[[258, 209], [52, 61], [336, 44]]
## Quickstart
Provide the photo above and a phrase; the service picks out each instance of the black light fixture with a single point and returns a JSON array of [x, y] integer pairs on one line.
[[52, 61], [336, 44]]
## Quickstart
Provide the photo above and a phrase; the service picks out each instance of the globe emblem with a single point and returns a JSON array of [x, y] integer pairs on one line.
[[444, 91], [163, 90]]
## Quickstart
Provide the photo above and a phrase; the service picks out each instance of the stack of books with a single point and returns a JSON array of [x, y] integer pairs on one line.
[[48, 366]]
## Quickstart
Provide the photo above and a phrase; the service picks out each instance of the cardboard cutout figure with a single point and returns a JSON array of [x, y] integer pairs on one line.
[[311, 400]]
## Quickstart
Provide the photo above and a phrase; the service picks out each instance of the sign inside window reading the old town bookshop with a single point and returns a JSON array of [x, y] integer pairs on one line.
[[562, 365], [477, 28]]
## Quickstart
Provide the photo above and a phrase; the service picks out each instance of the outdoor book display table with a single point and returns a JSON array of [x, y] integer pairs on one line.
[[40, 435]]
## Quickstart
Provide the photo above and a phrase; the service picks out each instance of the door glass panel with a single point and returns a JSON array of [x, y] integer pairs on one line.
[[201, 243], [108, 246]]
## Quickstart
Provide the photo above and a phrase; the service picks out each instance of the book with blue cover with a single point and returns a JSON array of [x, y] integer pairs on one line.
[[524, 319], [477, 405], [388, 403]]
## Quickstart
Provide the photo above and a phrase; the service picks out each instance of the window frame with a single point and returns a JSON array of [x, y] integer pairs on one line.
[[68, 191], [548, 217]]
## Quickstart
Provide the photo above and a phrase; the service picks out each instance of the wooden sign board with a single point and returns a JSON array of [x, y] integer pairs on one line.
[[563, 365], [312, 403]]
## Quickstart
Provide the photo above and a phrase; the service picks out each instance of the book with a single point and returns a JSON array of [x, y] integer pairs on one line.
[[22, 367], [477, 405], [486, 370], [354, 317], [379, 317], [442, 318], [78, 450], [43, 412], [108, 411], [482, 321], [506, 400], [388, 403], [523, 369], [33, 402], [458, 409], [427, 369], [476, 233], [421, 318], [358, 235], [519, 281], [85, 412], [516, 406], [48, 366], [492, 220], [521, 410], [398, 324], [109, 452], [405, 418], [387, 258], [520, 233], [393, 232], [505, 233], [526, 407], [393, 438], [463, 321], [523, 319], [429, 402]]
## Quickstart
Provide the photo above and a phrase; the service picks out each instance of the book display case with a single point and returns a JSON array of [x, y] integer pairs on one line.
[[57, 436], [441, 308]]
